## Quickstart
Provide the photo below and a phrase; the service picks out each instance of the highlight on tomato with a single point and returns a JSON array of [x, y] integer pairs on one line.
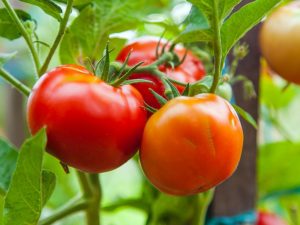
[[191, 144], [91, 125]]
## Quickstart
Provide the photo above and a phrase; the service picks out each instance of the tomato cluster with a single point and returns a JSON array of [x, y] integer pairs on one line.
[[189, 145]]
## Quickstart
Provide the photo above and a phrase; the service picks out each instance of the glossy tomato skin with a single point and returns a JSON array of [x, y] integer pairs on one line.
[[91, 125], [280, 41], [191, 144], [267, 218], [143, 50]]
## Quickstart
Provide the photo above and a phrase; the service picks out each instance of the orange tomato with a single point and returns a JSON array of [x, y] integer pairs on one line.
[[191, 144], [280, 41]]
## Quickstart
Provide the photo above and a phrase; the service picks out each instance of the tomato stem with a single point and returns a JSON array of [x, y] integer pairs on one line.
[[24, 33], [217, 45], [74, 206], [61, 32], [22, 88], [93, 211]]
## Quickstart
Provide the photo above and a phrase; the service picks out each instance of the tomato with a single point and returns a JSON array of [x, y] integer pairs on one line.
[[267, 218], [191, 144], [143, 50], [280, 41], [91, 125]]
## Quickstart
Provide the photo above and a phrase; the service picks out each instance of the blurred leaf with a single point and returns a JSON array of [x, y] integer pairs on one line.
[[8, 160], [245, 115], [272, 94], [48, 185], [87, 36], [76, 2], [8, 29], [278, 167], [23, 202], [251, 14], [1, 208], [5, 57], [47, 6]]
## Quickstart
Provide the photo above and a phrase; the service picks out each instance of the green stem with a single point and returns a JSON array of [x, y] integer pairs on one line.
[[203, 201], [61, 32], [93, 211], [73, 206], [22, 88], [217, 45], [24, 33]]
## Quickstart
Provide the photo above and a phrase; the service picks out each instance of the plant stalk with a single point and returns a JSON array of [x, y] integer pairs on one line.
[[61, 32], [72, 207], [93, 211], [22, 88], [217, 45], [24, 33]]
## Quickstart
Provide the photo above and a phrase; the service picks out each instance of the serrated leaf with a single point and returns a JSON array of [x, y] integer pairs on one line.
[[88, 34], [48, 185], [23, 202], [47, 6], [250, 15], [8, 160], [5, 57], [245, 115], [8, 29]]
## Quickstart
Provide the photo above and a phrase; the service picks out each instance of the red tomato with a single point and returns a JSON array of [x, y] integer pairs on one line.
[[191, 144], [190, 70], [266, 218], [91, 125]]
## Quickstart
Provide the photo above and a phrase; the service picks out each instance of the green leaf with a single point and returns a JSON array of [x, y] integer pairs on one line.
[[8, 160], [202, 86], [246, 116], [48, 185], [197, 29], [8, 29], [23, 202], [5, 57], [89, 32], [47, 6], [250, 15], [279, 161], [1, 208], [76, 2]]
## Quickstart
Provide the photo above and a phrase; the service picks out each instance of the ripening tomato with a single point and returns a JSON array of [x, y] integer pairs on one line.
[[280, 41], [267, 218], [91, 125], [144, 50], [191, 144]]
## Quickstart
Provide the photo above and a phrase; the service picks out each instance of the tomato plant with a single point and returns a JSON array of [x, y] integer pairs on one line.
[[190, 158], [87, 113], [189, 70], [280, 43], [91, 125]]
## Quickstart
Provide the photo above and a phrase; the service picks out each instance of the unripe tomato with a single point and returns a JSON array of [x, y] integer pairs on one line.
[[91, 125], [266, 218], [280, 41], [191, 144], [143, 50]]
